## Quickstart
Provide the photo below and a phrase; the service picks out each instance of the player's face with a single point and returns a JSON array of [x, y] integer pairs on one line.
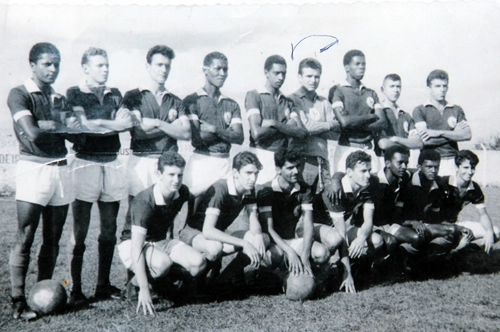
[[398, 164], [289, 172], [159, 68], [357, 67], [438, 89], [246, 176], [429, 169], [392, 90], [276, 76], [171, 178], [97, 69], [217, 72], [465, 171], [46, 69], [360, 174], [309, 78]]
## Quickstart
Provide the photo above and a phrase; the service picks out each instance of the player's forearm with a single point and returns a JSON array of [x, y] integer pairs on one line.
[[486, 221], [116, 125], [291, 130], [147, 132], [353, 121], [138, 261], [179, 131], [314, 127], [435, 141], [253, 220], [230, 136], [410, 143], [260, 133], [344, 256], [308, 234], [212, 233], [457, 135], [279, 240]]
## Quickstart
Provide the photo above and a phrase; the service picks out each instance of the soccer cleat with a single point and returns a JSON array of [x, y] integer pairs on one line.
[[76, 299], [107, 291], [21, 310]]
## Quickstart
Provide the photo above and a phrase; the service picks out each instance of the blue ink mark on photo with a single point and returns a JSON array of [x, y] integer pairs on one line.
[[335, 41]]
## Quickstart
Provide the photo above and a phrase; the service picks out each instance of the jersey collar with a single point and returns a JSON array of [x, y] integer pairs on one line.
[[430, 103], [159, 199], [277, 188], [263, 90], [345, 83], [143, 88], [31, 87], [200, 92], [302, 94], [85, 88], [452, 181], [231, 187], [387, 105], [415, 180]]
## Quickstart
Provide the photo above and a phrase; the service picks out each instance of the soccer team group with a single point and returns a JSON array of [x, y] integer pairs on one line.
[[305, 208]]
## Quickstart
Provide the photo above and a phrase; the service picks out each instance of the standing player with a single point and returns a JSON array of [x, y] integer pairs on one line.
[[43, 181], [282, 202], [462, 191], [440, 124], [147, 245], [216, 209], [357, 109], [271, 121], [163, 121], [400, 129], [216, 124], [98, 176]]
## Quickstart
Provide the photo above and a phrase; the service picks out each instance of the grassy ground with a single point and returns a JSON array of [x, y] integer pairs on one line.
[[467, 301]]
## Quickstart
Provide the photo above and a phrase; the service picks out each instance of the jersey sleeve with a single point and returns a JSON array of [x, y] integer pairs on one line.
[[140, 214], [265, 199], [236, 114], [132, 100], [306, 201], [181, 110], [478, 199], [19, 104], [252, 103], [191, 107], [215, 200], [461, 115], [419, 118], [338, 99]]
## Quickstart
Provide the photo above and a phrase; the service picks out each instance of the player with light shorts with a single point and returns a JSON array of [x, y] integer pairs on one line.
[[400, 129], [420, 204], [358, 110], [462, 191], [271, 121], [147, 245], [163, 121], [441, 124], [216, 209], [43, 181], [215, 125], [98, 176], [282, 202]]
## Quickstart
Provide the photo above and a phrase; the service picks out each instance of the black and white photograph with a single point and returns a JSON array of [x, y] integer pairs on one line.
[[291, 166]]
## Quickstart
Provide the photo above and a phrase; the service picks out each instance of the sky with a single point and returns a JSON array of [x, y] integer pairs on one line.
[[410, 39]]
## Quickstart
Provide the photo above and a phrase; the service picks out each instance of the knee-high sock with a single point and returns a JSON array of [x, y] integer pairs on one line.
[[106, 251], [18, 264], [47, 261], [76, 264]]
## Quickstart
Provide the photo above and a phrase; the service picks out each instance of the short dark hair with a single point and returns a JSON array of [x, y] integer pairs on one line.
[[392, 150], [282, 156], [160, 49], [357, 157], [464, 155], [392, 77], [212, 56], [350, 55], [93, 51], [42, 48], [437, 74], [310, 63], [245, 158], [170, 158], [431, 155], [274, 59]]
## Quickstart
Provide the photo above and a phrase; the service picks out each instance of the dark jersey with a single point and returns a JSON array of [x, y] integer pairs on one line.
[[454, 202]]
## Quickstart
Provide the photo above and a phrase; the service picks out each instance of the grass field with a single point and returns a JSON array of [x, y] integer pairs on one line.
[[468, 301]]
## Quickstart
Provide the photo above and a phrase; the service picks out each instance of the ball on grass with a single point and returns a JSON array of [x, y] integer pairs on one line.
[[48, 297], [299, 288]]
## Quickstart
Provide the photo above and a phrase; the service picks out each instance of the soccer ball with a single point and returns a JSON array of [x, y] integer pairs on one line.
[[47, 297], [299, 288]]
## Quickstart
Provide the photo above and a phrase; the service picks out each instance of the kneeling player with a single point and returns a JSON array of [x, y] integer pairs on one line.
[[462, 191], [216, 209], [148, 248], [281, 203]]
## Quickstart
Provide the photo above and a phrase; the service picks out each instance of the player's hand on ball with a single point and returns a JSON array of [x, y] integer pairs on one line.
[[467, 233], [307, 266], [357, 248], [348, 283], [145, 302], [294, 263], [252, 253]]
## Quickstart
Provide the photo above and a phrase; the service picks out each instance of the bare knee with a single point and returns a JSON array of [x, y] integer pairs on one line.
[[376, 241], [213, 250], [197, 264], [160, 265]]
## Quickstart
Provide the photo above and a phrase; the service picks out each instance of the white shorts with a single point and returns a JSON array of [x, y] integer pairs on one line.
[[477, 228], [447, 166], [202, 171], [141, 173], [95, 181], [125, 249], [43, 184], [391, 229], [266, 158], [296, 244], [342, 152]]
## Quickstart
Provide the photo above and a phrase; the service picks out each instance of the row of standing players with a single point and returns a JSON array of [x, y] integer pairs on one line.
[[93, 114]]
